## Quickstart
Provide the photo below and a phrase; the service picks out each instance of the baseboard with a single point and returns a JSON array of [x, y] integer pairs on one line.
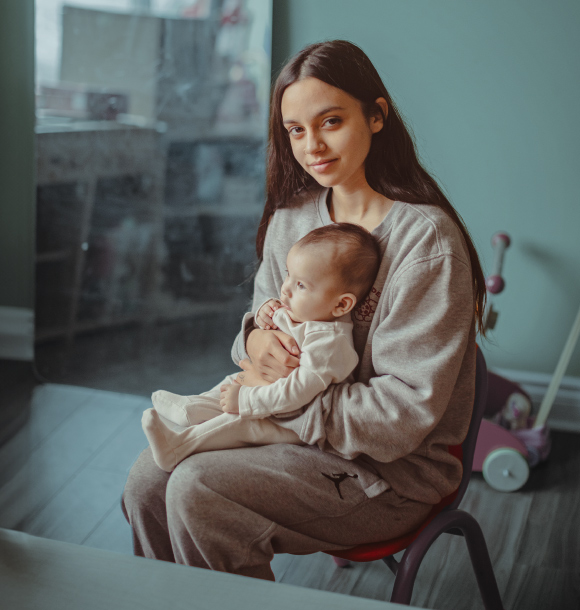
[[565, 413], [16, 333]]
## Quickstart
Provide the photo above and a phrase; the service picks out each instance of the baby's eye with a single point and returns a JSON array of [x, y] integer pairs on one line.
[[301, 286]]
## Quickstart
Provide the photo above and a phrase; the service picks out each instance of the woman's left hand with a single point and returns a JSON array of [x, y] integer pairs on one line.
[[250, 376]]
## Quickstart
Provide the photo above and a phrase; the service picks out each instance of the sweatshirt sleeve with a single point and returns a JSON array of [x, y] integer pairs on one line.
[[417, 352], [264, 288], [327, 357]]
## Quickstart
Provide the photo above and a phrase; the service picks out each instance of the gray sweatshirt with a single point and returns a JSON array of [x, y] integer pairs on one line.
[[415, 336]]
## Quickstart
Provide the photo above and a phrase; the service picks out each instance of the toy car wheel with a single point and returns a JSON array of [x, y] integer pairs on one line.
[[505, 469]]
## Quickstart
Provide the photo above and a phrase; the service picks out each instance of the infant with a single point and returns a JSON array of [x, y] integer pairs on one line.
[[329, 271]]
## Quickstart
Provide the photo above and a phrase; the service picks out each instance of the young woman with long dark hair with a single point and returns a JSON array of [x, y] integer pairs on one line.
[[377, 457]]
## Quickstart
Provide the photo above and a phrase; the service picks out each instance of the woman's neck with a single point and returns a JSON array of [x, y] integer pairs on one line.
[[362, 206]]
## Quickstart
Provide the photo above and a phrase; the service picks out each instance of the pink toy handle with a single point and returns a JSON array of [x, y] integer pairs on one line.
[[494, 282]]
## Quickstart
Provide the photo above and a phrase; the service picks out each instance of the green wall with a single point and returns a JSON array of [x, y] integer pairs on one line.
[[491, 91], [17, 199]]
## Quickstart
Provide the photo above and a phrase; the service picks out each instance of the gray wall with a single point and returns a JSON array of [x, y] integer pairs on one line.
[[491, 90], [17, 198]]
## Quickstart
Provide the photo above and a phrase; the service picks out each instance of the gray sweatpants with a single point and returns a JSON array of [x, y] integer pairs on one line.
[[231, 510]]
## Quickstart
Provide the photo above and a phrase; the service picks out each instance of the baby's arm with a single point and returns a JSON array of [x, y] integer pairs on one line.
[[327, 357]]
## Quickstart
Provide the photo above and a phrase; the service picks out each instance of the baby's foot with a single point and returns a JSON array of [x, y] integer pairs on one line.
[[159, 436], [171, 406]]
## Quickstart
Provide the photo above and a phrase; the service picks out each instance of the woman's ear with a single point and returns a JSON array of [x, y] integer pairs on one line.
[[346, 303], [378, 119]]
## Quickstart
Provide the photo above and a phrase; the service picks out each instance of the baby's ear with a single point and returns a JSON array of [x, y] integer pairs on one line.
[[346, 303]]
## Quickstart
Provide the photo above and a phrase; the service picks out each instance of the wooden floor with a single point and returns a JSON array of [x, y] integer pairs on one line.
[[62, 475]]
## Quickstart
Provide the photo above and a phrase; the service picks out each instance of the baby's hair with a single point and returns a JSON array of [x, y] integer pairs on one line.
[[357, 255]]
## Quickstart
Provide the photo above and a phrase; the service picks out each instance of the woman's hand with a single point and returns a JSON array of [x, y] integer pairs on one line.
[[249, 376], [274, 354]]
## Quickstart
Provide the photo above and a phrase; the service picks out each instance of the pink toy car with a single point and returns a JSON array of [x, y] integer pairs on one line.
[[508, 444]]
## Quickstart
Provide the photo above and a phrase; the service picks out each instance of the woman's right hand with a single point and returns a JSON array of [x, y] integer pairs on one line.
[[274, 354]]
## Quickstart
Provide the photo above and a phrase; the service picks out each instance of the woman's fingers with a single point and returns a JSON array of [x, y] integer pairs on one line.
[[269, 355], [282, 362], [269, 374], [287, 352], [260, 369], [288, 342], [251, 368]]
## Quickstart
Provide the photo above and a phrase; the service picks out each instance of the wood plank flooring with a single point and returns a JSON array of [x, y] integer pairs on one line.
[[62, 476]]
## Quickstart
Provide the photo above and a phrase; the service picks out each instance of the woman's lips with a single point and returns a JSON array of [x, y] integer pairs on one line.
[[322, 166]]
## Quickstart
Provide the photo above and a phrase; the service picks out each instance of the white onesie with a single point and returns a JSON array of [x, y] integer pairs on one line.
[[179, 426]]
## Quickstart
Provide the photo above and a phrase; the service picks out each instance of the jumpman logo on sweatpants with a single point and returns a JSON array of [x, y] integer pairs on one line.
[[337, 479]]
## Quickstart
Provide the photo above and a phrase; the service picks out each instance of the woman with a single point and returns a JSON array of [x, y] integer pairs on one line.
[[377, 457]]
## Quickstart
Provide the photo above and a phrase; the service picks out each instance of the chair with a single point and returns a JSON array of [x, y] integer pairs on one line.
[[445, 517]]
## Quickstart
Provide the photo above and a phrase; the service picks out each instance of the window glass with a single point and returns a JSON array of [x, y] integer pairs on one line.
[[151, 129]]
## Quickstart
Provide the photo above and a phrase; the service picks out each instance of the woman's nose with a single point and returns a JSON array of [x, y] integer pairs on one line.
[[314, 143]]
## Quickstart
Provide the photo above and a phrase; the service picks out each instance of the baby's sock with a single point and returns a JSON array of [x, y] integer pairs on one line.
[[162, 437], [171, 406]]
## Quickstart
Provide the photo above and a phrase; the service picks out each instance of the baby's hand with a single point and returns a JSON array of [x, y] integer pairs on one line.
[[265, 313], [229, 398]]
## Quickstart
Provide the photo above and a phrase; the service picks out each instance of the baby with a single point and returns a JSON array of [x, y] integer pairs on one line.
[[330, 270]]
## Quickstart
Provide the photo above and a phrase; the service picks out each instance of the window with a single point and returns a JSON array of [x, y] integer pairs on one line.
[[151, 128]]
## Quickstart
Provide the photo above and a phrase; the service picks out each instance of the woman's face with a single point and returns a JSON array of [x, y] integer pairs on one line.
[[329, 133]]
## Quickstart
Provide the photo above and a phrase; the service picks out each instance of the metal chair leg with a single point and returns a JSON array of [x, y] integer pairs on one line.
[[392, 563], [481, 564], [453, 519]]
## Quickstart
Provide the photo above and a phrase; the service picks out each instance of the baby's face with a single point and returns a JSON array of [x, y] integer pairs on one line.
[[311, 290]]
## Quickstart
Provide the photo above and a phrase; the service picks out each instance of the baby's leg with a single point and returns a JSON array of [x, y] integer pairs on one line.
[[190, 410], [171, 444]]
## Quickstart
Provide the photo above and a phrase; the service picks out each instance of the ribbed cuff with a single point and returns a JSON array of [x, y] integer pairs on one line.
[[243, 403]]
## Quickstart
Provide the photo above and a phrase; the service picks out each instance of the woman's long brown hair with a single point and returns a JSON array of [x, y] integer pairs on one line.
[[392, 167]]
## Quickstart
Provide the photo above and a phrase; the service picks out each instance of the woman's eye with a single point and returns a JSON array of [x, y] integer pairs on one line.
[[295, 131], [332, 121]]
